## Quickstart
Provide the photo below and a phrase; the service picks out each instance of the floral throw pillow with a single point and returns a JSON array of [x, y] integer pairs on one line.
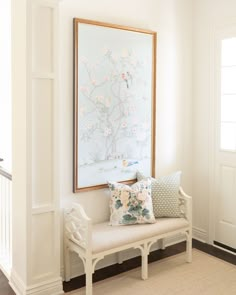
[[131, 204]]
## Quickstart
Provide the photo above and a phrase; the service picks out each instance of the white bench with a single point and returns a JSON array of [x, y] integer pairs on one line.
[[94, 241]]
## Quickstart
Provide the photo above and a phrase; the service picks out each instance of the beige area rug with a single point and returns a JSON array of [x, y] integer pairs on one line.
[[206, 275]]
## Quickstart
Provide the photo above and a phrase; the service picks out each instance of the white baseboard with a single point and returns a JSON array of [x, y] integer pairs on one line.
[[199, 234], [16, 283], [77, 268], [50, 287]]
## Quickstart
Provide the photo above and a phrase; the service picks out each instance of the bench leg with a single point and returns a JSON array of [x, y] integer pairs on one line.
[[89, 277], [189, 247], [119, 257], [145, 262], [67, 263], [162, 244]]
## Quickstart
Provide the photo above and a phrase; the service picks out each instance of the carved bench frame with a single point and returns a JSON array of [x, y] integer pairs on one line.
[[78, 238]]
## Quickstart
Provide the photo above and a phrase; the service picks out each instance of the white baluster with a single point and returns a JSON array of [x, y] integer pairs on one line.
[[5, 222], [1, 209]]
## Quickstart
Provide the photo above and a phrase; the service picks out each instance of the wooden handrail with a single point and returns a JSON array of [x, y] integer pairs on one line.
[[6, 174]]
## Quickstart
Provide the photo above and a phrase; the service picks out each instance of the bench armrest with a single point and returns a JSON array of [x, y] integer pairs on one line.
[[187, 203], [78, 227]]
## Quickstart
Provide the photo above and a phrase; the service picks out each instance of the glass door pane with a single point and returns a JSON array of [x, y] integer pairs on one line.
[[228, 95]]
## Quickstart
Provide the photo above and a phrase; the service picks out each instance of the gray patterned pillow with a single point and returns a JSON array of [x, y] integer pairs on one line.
[[165, 197]]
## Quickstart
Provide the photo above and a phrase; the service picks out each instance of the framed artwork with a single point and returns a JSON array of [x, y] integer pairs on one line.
[[114, 103]]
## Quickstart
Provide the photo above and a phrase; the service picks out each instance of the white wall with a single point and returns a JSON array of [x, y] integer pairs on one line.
[[208, 15], [5, 84], [172, 19]]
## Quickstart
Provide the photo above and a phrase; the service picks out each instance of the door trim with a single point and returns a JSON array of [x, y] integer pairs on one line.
[[217, 33]]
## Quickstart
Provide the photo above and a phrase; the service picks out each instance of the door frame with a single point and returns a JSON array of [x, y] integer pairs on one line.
[[217, 33]]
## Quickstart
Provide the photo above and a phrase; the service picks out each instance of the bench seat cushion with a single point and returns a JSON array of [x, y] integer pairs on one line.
[[106, 237]]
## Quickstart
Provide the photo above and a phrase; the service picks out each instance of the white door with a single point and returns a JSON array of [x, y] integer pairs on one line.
[[225, 144]]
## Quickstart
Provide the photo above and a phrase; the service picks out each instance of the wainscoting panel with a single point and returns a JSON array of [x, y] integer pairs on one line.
[[42, 33], [43, 256], [42, 141]]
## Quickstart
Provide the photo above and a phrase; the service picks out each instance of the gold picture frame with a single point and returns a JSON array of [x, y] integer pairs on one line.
[[114, 103]]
